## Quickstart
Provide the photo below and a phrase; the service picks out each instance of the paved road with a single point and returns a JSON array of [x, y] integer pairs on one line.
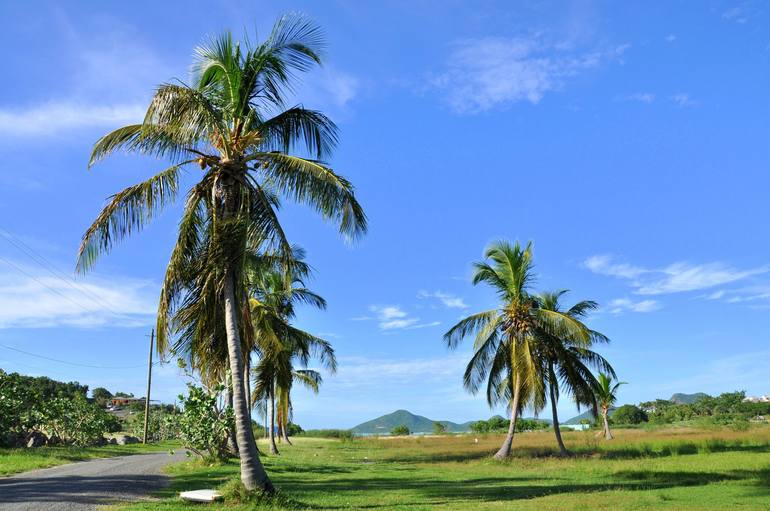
[[86, 485]]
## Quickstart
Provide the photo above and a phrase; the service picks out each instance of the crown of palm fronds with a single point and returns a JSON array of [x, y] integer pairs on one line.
[[231, 125]]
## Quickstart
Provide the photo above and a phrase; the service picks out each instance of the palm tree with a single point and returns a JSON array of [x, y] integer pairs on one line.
[[278, 343], [225, 124], [606, 395], [568, 361], [506, 344]]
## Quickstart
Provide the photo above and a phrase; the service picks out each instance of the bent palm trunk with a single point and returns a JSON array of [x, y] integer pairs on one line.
[[607, 432], [556, 429], [253, 475], [505, 449], [273, 447]]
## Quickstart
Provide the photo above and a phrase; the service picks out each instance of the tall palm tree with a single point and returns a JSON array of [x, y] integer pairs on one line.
[[506, 338], [226, 124], [568, 361], [606, 394]]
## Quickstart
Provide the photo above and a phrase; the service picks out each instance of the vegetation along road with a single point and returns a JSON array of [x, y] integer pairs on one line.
[[86, 485]]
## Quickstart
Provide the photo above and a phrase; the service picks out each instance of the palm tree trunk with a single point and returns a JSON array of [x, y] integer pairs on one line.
[[505, 450], [285, 428], [607, 432], [273, 447], [556, 429], [253, 474], [232, 445], [247, 381], [267, 434]]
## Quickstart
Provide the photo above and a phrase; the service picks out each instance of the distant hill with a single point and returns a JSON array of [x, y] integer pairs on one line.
[[687, 399], [415, 423], [587, 415]]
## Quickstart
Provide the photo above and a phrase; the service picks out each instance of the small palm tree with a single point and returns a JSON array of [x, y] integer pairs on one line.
[[233, 126], [606, 395], [568, 361], [279, 344], [506, 338]]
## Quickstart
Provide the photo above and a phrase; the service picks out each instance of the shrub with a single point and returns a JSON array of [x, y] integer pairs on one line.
[[161, 426], [342, 434], [629, 414], [439, 428], [202, 427], [400, 430], [74, 421]]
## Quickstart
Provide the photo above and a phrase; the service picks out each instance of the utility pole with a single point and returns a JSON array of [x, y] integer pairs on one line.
[[149, 384]]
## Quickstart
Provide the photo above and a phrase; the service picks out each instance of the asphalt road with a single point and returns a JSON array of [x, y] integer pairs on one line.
[[86, 485]]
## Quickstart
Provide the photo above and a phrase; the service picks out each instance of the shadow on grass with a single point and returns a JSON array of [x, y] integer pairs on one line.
[[489, 489]]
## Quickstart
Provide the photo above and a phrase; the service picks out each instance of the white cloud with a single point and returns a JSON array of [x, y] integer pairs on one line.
[[674, 278], [684, 277], [496, 72], [392, 317], [357, 371], [112, 85], [736, 14], [683, 100], [603, 265], [449, 300], [620, 305], [641, 97], [30, 298], [52, 118]]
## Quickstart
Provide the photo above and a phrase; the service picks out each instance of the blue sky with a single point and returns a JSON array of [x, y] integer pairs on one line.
[[630, 144]]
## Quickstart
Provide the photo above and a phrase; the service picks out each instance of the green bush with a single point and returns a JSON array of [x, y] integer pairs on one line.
[[342, 434], [400, 430], [629, 414], [161, 426], [74, 421], [203, 428]]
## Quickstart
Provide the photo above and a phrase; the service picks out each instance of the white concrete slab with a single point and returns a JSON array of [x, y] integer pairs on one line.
[[201, 495]]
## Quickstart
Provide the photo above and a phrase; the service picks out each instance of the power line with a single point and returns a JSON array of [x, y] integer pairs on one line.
[[71, 363], [51, 268], [69, 299]]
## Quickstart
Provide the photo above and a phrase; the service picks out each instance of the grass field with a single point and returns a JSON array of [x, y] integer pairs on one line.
[[13, 461], [659, 469]]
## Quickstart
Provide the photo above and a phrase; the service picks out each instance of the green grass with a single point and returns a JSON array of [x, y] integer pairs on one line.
[[664, 469], [13, 461]]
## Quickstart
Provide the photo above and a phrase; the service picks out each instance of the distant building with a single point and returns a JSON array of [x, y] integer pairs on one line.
[[755, 399], [125, 401]]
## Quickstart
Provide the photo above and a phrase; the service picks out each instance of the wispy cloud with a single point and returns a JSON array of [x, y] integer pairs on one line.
[[670, 38], [449, 300], [736, 14], [620, 305], [392, 317], [52, 118], [640, 97], [682, 100], [359, 371], [675, 278], [30, 298], [487, 73], [112, 86]]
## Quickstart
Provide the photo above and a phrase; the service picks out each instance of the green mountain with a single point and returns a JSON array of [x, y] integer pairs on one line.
[[687, 399], [587, 415], [415, 423]]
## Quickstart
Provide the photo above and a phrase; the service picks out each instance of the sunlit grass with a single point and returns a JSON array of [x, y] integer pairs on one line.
[[677, 468], [13, 461]]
